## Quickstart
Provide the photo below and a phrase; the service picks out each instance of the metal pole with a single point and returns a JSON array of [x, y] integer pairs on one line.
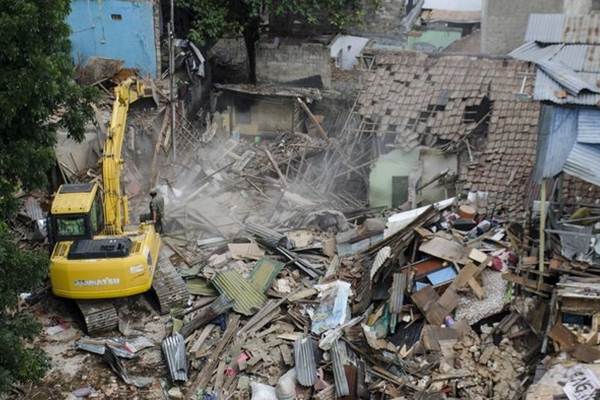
[[172, 76], [542, 232]]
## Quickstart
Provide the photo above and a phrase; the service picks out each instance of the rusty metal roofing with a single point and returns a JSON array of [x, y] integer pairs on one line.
[[173, 348], [548, 89], [305, 364], [560, 28], [567, 78], [339, 374], [246, 297], [582, 29]]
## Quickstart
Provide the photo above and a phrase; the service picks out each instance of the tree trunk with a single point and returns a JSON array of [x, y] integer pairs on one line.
[[251, 35]]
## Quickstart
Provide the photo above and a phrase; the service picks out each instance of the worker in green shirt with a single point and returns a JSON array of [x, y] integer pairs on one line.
[[157, 207]]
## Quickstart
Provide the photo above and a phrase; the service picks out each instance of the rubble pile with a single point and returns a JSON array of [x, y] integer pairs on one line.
[[322, 313]]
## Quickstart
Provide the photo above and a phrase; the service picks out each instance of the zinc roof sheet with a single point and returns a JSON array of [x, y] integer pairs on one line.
[[588, 126], [547, 89], [545, 28], [583, 162]]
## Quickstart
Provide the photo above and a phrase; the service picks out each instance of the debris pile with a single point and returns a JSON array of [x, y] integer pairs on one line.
[[410, 305]]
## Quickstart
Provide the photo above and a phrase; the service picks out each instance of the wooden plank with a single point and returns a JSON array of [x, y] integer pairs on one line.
[[528, 283], [445, 249], [476, 288], [205, 374]]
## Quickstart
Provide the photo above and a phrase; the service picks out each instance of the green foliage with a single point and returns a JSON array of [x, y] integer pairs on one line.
[[19, 272], [214, 18], [37, 96], [35, 84]]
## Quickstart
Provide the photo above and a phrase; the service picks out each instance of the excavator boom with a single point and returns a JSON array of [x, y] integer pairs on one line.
[[116, 214]]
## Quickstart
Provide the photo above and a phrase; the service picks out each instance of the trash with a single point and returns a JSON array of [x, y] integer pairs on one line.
[[262, 392], [332, 309], [121, 347], [118, 368], [286, 386], [581, 384], [83, 392]]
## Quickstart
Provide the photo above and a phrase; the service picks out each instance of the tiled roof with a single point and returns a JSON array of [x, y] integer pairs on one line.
[[435, 100]]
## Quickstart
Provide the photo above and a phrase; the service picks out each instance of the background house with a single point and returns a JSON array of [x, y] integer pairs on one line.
[[469, 113], [124, 30]]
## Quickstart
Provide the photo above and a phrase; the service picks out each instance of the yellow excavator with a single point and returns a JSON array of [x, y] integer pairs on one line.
[[95, 258]]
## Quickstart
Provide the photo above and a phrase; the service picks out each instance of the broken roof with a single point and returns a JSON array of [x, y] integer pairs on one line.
[[567, 52], [437, 100]]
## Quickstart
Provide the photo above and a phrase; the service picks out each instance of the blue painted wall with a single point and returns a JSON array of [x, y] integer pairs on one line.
[[96, 30]]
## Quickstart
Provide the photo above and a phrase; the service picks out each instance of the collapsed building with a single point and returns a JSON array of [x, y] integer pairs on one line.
[[383, 223]]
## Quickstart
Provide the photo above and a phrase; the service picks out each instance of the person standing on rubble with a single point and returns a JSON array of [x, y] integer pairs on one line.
[[157, 206]]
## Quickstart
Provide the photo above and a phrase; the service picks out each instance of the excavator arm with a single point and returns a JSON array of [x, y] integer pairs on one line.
[[116, 214]]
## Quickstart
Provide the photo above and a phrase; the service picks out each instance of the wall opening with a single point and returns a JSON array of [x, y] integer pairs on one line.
[[116, 17], [399, 190]]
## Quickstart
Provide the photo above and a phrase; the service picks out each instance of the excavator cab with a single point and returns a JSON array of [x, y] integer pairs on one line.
[[76, 214]]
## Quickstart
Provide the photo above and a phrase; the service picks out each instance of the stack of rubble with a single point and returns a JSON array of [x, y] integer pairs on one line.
[[409, 306]]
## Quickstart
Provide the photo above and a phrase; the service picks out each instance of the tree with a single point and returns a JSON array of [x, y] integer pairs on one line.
[[213, 18], [37, 96]]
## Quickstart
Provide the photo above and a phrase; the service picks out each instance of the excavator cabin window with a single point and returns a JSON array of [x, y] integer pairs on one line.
[[79, 226]]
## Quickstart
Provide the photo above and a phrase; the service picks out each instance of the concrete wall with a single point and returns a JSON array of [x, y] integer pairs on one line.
[[117, 29], [421, 165], [293, 62], [579, 7], [263, 115], [394, 163], [504, 22]]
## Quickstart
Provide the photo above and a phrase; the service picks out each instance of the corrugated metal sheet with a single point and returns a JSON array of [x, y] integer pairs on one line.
[[547, 89], [558, 133], [397, 293], [560, 28], [573, 56], [173, 348], [579, 57], [592, 59], [567, 78], [583, 162], [380, 259], [339, 375], [545, 28], [246, 297], [582, 29], [533, 52], [588, 126], [304, 357]]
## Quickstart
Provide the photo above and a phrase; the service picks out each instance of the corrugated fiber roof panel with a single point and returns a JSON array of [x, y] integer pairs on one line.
[[247, 298]]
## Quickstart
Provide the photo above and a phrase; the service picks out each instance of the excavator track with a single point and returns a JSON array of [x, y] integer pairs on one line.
[[98, 315], [169, 286]]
